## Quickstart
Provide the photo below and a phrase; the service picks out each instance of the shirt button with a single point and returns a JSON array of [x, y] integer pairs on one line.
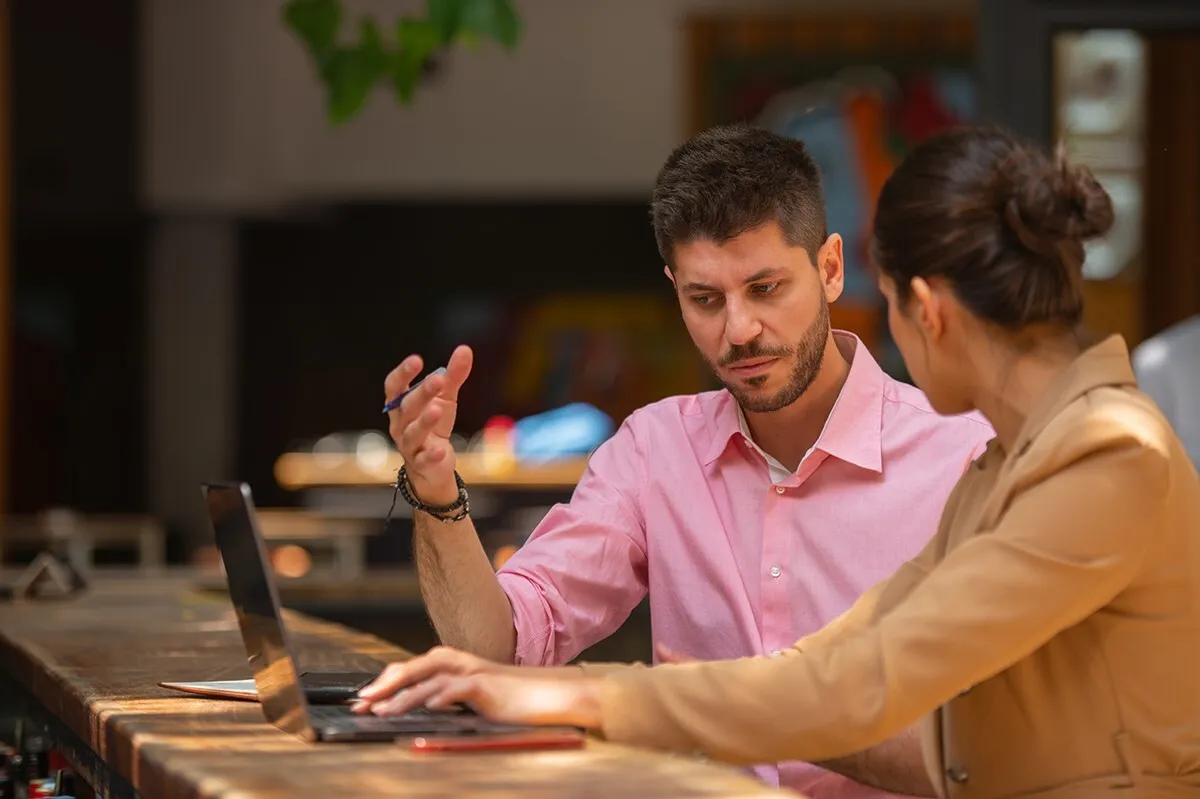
[[776, 653], [779, 489], [957, 774], [776, 571]]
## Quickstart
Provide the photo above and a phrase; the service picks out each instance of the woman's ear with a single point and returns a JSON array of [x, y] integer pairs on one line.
[[928, 308]]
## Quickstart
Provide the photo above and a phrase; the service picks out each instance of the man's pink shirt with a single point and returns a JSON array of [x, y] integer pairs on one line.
[[738, 560]]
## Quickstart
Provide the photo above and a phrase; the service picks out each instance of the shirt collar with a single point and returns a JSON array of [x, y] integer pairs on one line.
[[1103, 364], [854, 430]]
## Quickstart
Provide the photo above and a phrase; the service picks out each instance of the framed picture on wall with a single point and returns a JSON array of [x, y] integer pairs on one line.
[[859, 89]]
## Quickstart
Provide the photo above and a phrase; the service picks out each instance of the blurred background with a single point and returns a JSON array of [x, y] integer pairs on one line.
[[212, 252]]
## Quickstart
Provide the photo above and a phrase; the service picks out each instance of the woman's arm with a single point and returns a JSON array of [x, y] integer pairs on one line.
[[1065, 547]]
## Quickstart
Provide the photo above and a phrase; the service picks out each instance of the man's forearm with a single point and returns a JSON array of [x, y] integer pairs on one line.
[[465, 602], [895, 766]]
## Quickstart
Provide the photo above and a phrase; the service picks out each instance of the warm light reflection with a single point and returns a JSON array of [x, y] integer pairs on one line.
[[331, 451], [562, 760], [502, 555], [372, 451], [291, 560], [168, 705]]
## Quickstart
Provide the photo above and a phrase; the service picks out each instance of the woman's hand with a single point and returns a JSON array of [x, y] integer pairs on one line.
[[505, 694], [390, 690]]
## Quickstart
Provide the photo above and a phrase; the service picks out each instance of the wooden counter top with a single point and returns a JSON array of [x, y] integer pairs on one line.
[[88, 666]]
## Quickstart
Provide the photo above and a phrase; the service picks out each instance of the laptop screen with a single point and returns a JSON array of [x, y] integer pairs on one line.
[[256, 604]]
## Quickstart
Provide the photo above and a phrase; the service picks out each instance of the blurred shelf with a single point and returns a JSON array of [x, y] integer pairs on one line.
[[300, 470], [81, 533]]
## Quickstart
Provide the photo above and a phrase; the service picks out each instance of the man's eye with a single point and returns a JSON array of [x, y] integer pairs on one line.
[[765, 288]]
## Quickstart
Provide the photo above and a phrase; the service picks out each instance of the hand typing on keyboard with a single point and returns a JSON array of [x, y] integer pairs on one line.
[[507, 694]]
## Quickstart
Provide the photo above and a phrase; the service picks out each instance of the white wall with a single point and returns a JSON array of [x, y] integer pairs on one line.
[[591, 103]]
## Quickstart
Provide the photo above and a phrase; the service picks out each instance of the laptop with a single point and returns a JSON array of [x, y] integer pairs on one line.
[[314, 706]]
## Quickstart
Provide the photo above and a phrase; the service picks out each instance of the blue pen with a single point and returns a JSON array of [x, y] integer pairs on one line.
[[395, 403]]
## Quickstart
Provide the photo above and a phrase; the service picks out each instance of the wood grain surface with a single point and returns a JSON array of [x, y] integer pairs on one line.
[[92, 663]]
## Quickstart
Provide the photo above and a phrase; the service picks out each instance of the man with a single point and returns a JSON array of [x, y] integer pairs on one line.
[[752, 515]]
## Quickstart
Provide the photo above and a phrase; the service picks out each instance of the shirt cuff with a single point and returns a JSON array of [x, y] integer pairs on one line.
[[531, 621]]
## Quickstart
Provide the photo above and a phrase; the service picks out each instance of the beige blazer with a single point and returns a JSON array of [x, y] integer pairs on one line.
[[1047, 638]]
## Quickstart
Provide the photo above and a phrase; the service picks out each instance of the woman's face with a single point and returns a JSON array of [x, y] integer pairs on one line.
[[918, 327]]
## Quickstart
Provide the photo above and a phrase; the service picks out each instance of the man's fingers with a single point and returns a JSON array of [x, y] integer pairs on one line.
[[433, 453], [422, 395], [397, 381], [418, 430], [458, 368], [413, 406]]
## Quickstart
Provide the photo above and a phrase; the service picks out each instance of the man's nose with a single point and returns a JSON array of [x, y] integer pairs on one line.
[[741, 325]]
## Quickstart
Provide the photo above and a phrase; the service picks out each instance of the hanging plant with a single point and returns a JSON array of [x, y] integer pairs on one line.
[[399, 55]]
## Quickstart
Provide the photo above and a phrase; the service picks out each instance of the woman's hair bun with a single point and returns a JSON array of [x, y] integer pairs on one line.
[[1052, 206]]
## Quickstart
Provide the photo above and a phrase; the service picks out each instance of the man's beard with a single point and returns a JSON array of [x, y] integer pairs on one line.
[[809, 354]]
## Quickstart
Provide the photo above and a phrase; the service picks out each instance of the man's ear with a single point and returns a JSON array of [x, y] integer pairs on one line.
[[832, 267], [670, 275]]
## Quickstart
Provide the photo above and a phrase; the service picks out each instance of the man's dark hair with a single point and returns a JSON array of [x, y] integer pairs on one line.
[[734, 178]]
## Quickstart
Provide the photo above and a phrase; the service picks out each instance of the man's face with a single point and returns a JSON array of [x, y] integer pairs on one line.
[[758, 311]]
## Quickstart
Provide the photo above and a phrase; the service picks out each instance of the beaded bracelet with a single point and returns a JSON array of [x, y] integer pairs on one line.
[[456, 511]]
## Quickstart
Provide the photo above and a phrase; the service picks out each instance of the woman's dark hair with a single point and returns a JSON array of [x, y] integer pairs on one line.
[[998, 219]]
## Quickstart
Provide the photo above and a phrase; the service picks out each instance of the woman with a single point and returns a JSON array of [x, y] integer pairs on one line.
[[1048, 637]]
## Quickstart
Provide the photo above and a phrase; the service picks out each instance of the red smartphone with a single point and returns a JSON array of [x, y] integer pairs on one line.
[[500, 742]]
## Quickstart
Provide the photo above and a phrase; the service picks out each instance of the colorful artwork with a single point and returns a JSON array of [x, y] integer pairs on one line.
[[615, 352], [858, 125]]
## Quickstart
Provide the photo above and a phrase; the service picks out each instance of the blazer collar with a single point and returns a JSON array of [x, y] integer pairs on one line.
[[1103, 364]]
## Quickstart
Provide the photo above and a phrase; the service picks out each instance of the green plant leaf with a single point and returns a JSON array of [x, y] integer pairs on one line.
[[351, 72], [417, 38], [348, 84], [444, 16], [370, 45], [494, 18], [405, 76], [316, 22]]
